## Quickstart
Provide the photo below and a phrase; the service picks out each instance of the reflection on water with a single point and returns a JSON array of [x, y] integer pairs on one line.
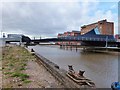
[[102, 68]]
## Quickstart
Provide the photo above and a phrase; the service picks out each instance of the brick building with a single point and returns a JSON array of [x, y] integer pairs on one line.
[[59, 35], [75, 33], [65, 34], [105, 28]]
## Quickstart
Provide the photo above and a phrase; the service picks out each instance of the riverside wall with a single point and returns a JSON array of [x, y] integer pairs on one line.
[[57, 72]]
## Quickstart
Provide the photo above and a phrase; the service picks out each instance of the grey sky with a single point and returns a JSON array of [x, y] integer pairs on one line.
[[46, 19]]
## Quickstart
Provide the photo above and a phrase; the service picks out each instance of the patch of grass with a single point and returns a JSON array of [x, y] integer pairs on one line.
[[24, 64], [24, 76], [27, 81], [11, 65], [21, 75], [22, 68], [23, 79], [9, 68], [6, 69], [6, 73], [14, 62], [17, 74]]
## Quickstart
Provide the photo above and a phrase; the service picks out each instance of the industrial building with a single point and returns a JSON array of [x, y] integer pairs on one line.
[[17, 38], [101, 29], [65, 34], [105, 28]]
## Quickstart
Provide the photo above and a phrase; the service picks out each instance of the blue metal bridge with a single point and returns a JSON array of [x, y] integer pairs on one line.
[[92, 38]]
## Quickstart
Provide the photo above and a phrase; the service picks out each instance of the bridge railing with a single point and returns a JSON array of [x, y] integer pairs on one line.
[[87, 39]]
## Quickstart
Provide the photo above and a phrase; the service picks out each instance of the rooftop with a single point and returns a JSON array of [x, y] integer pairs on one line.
[[96, 23]]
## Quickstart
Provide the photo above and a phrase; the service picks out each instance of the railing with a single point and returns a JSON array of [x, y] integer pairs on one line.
[[87, 39]]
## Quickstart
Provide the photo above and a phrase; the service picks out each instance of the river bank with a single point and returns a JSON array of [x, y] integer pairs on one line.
[[100, 67], [20, 70]]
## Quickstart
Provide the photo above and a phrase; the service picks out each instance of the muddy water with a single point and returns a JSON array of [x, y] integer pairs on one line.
[[102, 68]]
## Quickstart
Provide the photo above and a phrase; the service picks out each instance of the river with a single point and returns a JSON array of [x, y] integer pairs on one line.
[[102, 68]]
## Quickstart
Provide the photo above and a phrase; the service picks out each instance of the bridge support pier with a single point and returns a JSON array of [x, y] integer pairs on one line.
[[84, 49], [63, 46], [71, 47], [76, 48], [67, 47], [60, 46]]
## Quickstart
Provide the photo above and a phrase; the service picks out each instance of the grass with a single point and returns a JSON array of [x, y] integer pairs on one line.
[[22, 68], [27, 81], [24, 64], [11, 65], [6, 73], [17, 74], [14, 63], [22, 76]]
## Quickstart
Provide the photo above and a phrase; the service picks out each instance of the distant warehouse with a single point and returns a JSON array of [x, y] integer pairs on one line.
[[105, 28], [17, 38]]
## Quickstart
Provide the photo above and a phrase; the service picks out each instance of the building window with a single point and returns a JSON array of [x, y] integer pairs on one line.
[[97, 30]]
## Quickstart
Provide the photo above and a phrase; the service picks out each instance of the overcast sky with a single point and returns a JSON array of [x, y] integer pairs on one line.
[[47, 19]]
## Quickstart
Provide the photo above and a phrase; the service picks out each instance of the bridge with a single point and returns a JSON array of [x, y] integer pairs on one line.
[[92, 38], [89, 39]]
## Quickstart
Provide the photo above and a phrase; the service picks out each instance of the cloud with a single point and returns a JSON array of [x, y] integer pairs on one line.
[[60, 0], [49, 18], [113, 6]]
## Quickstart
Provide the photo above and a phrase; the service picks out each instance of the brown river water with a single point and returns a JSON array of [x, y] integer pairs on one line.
[[102, 68]]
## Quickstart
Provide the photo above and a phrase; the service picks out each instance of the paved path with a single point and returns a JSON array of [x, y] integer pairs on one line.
[[40, 77]]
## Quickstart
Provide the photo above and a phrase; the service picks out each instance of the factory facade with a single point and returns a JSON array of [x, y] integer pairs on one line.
[[105, 28]]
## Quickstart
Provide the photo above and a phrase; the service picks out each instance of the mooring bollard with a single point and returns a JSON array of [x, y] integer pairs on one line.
[[32, 50], [81, 72]]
